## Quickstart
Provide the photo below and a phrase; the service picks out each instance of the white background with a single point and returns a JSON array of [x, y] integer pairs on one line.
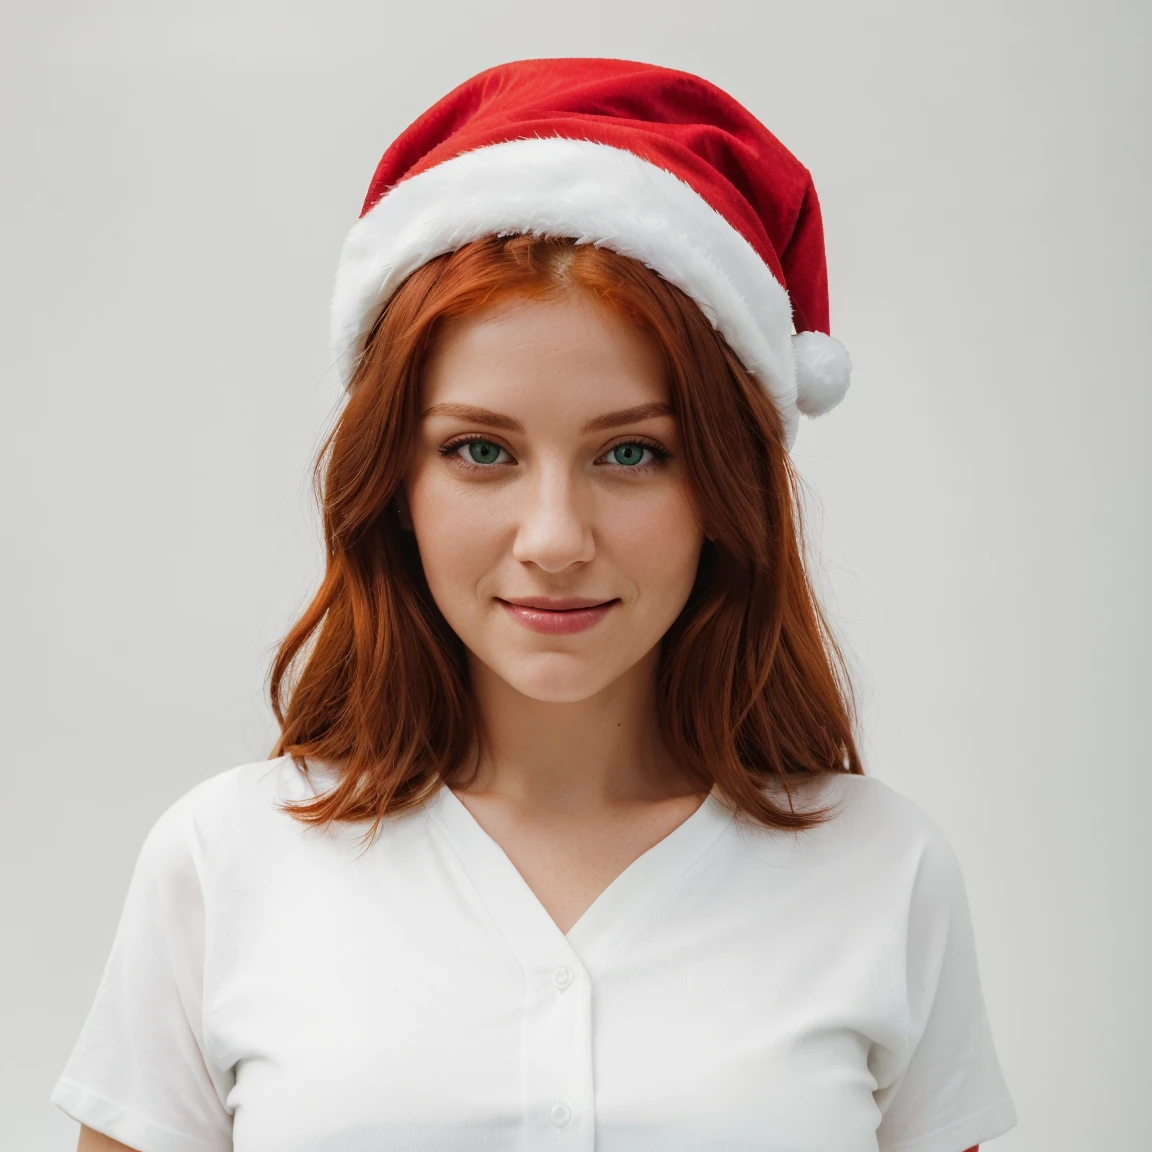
[[177, 181]]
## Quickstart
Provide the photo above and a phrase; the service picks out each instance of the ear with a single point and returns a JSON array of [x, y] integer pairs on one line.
[[403, 512]]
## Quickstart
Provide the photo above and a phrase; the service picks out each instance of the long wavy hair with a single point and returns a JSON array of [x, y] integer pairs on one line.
[[754, 694]]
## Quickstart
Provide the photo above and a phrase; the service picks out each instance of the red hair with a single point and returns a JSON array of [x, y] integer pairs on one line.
[[753, 691]]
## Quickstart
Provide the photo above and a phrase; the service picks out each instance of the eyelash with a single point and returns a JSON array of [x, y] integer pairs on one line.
[[661, 454]]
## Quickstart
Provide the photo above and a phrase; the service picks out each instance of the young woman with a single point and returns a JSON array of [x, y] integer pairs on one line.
[[566, 841]]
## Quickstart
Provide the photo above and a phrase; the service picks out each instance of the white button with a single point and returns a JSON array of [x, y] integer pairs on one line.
[[562, 976], [560, 1114]]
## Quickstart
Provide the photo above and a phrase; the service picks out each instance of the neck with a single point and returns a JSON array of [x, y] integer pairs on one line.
[[571, 757]]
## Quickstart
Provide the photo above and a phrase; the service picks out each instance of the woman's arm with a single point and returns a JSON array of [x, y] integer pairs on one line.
[[93, 1141]]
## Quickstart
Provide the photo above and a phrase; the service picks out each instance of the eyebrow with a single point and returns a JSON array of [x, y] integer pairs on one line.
[[599, 423], [628, 416]]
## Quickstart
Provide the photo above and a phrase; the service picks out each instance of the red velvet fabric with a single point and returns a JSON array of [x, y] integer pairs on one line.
[[673, 119]]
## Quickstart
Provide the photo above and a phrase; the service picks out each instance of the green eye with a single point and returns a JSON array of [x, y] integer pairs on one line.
[[628, 454], [483, 451]]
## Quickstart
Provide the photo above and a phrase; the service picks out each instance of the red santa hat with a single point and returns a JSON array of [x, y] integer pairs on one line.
[[652, 163]]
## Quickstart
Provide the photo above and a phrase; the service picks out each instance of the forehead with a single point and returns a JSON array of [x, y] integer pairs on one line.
[[570, 355]]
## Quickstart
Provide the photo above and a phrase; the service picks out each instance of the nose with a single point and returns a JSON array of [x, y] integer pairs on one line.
[[554, 530]]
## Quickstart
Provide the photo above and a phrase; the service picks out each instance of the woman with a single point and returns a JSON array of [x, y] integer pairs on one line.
[[566, 841]]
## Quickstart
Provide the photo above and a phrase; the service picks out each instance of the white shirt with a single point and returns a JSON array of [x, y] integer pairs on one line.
[[274, 987]]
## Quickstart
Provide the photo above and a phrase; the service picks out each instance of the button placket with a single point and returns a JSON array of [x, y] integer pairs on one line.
[[556, 1037], [558, 1057]]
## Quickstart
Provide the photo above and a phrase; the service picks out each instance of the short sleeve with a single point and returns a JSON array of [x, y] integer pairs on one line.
[[944, 1091], [139, 1072]]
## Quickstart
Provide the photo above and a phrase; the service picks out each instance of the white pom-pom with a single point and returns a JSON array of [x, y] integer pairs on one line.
[[823, 372]]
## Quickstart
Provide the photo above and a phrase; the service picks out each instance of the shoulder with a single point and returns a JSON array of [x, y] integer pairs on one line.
[[858, 804], [237, 805], [873, 830], [869, 802]]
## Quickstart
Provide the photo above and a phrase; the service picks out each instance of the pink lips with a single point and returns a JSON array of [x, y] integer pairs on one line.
[[559, 615]]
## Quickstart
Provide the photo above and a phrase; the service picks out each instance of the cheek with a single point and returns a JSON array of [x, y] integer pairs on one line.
[[460, 534], [655, 538]]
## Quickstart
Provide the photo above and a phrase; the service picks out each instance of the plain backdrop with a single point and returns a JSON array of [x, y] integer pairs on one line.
[[177, 180]]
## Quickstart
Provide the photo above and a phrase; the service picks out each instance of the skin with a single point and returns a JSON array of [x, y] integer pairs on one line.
[[93, 1141], [574, 782]]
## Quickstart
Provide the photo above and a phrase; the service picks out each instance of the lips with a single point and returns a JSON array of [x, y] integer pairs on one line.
[[557, 615], [556, 603]]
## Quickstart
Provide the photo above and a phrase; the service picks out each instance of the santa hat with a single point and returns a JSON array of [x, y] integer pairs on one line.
[[652, 163]]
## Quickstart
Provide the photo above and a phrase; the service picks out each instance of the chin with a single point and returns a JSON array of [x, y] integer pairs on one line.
[[556, 678]]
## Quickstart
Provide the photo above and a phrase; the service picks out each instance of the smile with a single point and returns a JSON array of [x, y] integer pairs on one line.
[[557, 615]]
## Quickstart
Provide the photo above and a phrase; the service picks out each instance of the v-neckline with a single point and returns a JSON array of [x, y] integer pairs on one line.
[[524, 921]]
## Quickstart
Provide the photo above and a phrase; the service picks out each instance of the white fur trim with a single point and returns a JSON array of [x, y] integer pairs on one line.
[[823, 372], [593, 193]]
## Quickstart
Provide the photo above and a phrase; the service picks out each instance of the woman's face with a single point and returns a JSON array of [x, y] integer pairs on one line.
[[547, 494]]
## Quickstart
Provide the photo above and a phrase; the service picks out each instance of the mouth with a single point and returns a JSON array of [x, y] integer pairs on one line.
[[557, 615]]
